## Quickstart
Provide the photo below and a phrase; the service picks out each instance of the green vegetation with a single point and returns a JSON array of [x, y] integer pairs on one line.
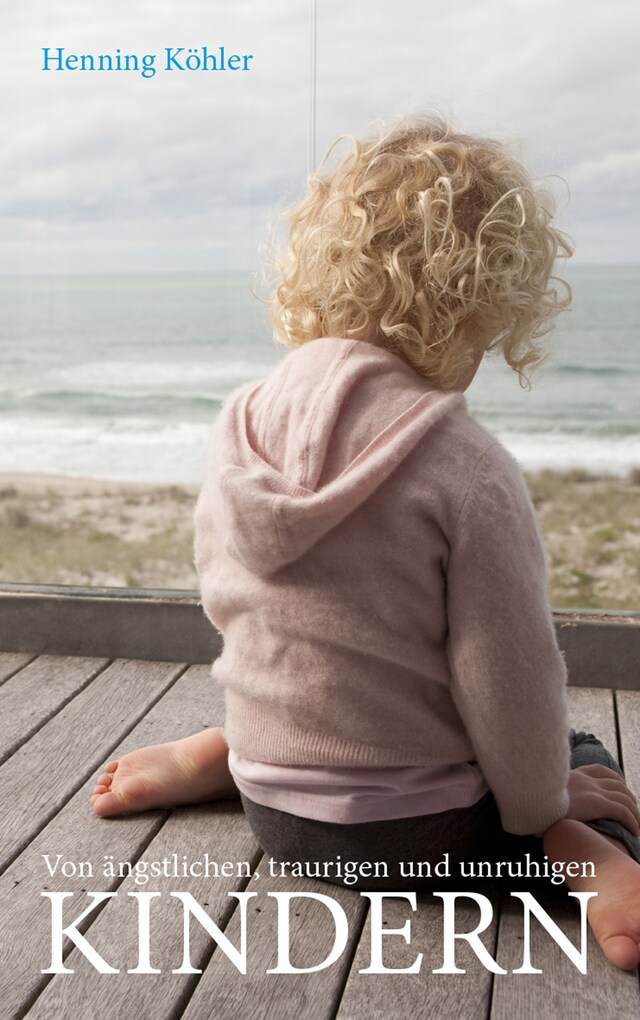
[[591, 530], [84, 532]]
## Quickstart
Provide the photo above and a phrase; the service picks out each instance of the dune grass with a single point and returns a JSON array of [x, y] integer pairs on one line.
[[591, 530], [89, 532]]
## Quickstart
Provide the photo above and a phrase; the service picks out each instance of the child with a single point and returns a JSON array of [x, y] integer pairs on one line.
[[371, 556]]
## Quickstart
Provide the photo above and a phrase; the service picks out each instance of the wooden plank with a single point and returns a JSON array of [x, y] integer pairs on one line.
[[226, 994], [116, 623], [37, 692], [192, 703], [628, 705], [561, 990], [37, 780], [71, 993], [11, 662], [424, 994], [114, 934], [591, 709], [601, 649]]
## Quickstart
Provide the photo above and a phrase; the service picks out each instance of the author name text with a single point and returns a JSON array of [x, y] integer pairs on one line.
[[172, 58]]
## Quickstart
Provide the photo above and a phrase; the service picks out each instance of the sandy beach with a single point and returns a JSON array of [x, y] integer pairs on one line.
[[81, 531]]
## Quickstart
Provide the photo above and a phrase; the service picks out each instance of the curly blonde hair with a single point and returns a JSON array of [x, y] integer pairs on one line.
[[433, 244]]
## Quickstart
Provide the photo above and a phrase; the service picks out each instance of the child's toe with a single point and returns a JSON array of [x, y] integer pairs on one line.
[[107, 804], [621, 950]]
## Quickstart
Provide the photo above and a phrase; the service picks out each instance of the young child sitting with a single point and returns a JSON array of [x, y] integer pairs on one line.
[[370, 554]]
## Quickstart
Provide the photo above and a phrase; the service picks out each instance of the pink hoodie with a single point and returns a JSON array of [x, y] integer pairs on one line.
[[371, 557]]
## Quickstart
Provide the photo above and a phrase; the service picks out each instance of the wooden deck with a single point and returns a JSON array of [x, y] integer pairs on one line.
[[61, 718]]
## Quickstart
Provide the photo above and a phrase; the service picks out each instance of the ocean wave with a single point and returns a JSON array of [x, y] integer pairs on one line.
[[147, 375], [596, 370], [157, 450], [129, 388], [124, 449], [559, 452], [107, 403]]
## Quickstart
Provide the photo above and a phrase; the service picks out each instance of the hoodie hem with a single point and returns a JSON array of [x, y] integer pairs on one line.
[[252, 733]]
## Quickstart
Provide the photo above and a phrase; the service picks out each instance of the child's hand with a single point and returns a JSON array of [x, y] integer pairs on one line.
[[598, 792]]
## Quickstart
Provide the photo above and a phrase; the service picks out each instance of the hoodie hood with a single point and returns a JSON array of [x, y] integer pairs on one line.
[[300, 450]]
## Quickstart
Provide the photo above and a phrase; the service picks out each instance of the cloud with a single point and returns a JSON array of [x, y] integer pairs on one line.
[[119, 153], [608, 172]]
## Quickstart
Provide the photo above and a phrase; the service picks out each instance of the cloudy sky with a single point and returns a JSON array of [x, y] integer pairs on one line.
[[182, 170]]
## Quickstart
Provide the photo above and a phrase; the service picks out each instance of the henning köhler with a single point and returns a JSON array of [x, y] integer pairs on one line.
[[176, 58]]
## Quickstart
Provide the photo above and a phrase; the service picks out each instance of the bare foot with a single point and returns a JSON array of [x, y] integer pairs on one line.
[[614, 914], [186, 771]]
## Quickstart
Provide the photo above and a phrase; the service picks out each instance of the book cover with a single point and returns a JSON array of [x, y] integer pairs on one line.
[[147, 151]]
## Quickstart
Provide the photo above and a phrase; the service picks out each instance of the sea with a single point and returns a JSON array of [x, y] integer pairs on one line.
[[121, 377]]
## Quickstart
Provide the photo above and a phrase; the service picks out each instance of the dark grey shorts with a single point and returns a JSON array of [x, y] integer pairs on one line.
[[463, 834]]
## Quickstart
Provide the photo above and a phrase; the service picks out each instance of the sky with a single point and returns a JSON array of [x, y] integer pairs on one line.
[[112, 171]]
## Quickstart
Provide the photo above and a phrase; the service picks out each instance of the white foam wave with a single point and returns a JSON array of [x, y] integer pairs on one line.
[[119, 450], [135, 449], [614, 455], [148, 375]]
